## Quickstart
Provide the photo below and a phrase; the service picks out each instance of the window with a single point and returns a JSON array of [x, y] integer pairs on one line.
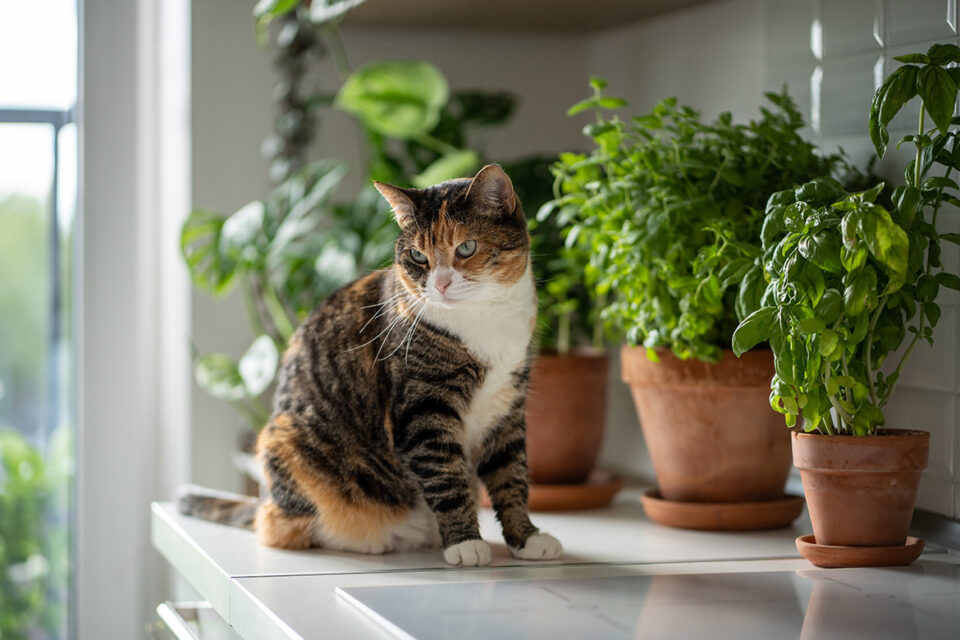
[[38, 178]]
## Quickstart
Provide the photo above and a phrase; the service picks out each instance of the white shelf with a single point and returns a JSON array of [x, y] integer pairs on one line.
[[569, 16]]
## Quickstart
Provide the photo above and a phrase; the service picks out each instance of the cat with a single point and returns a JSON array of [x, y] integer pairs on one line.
[[404, 389]]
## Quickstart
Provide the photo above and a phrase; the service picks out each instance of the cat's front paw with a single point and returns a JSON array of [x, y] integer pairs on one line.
[[539, 546], [469, 553]]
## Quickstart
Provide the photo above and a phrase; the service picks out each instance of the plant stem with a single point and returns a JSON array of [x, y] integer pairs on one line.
[[916, 160], [600, 302], [338, 50], [435, 144], [869, 349], [827, 419], [563, 334], [277, 313], [929, 265], [250, 305], [257, 419], [261, 311]]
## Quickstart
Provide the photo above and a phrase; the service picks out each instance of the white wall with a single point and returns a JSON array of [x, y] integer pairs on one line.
[[719, 56]]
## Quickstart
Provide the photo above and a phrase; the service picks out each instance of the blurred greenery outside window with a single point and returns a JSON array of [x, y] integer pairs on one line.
[[38, 178]]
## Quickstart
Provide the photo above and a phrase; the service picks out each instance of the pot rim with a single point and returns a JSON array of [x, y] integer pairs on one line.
[[896, 450], [582, 352], [883, 432], [752, 369]]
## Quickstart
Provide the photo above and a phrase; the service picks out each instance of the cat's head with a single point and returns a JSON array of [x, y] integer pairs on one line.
[[462, 241]]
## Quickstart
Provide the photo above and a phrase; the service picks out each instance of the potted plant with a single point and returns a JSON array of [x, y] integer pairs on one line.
[[850, 279], [669, 209], [566, 402]]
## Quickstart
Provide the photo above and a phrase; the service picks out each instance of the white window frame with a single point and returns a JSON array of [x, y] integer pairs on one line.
[[132, 303]]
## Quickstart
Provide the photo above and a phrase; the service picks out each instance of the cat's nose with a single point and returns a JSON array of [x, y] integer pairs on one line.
[[441, 283]]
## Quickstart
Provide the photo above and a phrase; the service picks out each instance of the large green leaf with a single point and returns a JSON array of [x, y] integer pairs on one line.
[[887, 242], [895, 91], [401, 99], [753, 330], [861, 294], [211, 270], [939, 93], [822, 249], [453, 165], [239, 235], [258, 366], [217, 373]]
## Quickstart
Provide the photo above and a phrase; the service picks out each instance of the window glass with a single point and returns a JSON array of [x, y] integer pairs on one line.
[[38, 182]]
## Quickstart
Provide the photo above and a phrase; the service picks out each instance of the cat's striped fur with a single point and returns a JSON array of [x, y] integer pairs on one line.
[[404, 388]]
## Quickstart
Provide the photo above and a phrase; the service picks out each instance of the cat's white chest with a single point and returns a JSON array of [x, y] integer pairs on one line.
[[498, 335]]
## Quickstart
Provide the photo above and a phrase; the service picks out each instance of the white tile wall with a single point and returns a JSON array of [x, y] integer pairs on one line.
[[909, 21], [848, 26], [853, 42]]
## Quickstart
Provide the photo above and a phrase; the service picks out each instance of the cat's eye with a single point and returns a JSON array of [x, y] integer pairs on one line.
[[467, 248], [419, 257]]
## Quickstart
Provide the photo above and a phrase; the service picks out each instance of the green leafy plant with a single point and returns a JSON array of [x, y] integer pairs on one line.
[[850, 279], [669, 210], [34, 535]]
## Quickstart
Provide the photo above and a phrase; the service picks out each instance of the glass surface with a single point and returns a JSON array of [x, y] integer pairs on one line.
[[893, 603], [38, 54], [38, 192]]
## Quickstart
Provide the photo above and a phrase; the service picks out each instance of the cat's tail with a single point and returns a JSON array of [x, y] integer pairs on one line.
[[217, 506]]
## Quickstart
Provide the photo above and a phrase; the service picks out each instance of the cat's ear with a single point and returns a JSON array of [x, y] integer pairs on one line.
[[491, 188], [400, 201]]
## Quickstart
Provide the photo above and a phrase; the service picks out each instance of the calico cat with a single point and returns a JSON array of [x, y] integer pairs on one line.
[[405, 388]]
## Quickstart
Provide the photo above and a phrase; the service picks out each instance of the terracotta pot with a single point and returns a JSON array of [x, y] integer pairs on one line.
[[711, 433], [566, 407], [861, 490]]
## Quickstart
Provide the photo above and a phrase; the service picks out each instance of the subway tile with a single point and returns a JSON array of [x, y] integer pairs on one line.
[[846, 27], [932, 367], [949, 222], [936, 495], [788, 32], [857, 148], [797, 78], [843, 95], [956, 443], [908, 21], [932, 411]]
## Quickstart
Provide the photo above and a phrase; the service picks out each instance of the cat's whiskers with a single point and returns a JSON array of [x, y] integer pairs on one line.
[[416, 323], [383, 309], [387, 330], [380, 304], [399, 317]]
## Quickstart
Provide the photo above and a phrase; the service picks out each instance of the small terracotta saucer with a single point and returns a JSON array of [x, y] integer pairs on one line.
[[835, 556], [722, 516], [597, 492]]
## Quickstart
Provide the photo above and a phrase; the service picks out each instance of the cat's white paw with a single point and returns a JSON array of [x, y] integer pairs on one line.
[[539, 546], [469, 553]]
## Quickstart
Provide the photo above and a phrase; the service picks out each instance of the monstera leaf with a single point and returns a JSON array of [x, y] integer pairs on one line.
[[200, 239]]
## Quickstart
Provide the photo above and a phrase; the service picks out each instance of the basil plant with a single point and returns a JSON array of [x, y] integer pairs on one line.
[[669, 208], [850, 278]]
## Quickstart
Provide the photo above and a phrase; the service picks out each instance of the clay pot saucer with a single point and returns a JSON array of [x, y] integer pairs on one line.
[[835, 556], [722, 516], [597, 492]]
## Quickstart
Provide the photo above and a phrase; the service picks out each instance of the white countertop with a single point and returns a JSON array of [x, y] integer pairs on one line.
[[267, 593]]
